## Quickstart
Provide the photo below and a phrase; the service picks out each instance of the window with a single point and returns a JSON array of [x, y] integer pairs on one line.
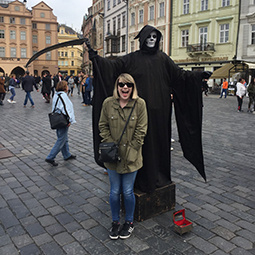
[[66, 63], [62, 63], [204, 5], [107, 46], [123, 19], [47, 26], [72, 54], [12, 20], [16, 8], [118, 22], [185, 6], [48, 40], [123, 43], [140, 16], [23, 35], [108, 27], [66, 54], [114, 26], [132, 46], [1, 19], [13, 52], [22, 21], [162, 9], [34, 52], [48, 55], [23, 52], [224, 33], [42, 15], [62, 32], [151, 12], [1, 34], [2, 52], [132, 19], [72, 63], [252, 34], [113, 3], [203, 37], [62, 53], [12, 34], [225, 3], [35, 40], [34, 25], [108, 5], [185, 37]]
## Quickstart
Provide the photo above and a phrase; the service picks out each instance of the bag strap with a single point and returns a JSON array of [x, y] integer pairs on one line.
[[126, 123], [59, 96]]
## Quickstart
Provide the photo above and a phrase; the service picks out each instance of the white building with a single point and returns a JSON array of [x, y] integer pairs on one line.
[[115, 28]]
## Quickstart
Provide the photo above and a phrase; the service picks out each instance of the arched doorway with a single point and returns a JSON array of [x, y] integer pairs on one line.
[[2, 72], [44, 72], [18, 71]]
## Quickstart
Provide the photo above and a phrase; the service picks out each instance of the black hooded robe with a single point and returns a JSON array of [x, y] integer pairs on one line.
[[155, 74]]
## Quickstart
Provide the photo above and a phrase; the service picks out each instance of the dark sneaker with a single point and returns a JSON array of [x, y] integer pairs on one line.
[[71, 157], [126, 230], [51, 161], [114, 232]]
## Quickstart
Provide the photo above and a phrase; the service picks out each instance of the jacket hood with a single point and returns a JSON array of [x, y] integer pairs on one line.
[[144, 33]]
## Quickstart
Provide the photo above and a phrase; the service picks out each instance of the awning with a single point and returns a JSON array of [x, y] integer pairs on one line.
[[251, 65], [222, 72]]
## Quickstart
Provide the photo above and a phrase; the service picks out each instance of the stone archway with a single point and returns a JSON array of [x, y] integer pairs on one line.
[[2, 72], [18, 71]]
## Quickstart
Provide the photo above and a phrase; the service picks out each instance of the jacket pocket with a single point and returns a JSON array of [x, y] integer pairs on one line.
[[132, 155], [133, 121], [113, 121]]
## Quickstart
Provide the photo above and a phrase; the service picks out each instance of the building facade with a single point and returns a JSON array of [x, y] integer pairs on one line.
[[69, 58], [156, 13], [24, 32], [204, 34]]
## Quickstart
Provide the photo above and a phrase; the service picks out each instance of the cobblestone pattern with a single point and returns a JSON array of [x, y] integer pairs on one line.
[[65, 209]]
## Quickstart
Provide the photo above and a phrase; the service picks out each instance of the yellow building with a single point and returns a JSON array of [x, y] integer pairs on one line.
[[204, 33], [69, 58], [24, 32]]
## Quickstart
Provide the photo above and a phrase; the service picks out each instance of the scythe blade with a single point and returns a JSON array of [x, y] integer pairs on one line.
[[54, 47]]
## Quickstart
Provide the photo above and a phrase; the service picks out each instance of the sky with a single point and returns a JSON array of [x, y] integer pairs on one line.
[[68, 12]]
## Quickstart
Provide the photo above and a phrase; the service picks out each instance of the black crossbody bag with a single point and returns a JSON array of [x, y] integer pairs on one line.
[[59, 120], [109, 151]]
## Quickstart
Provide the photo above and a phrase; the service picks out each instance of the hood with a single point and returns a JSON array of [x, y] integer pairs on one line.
[[144, 33]]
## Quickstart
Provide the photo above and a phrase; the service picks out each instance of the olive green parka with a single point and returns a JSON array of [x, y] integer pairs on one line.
[[111, 124]]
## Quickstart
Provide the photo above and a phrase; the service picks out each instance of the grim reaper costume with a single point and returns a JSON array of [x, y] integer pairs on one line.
[[156, 75]]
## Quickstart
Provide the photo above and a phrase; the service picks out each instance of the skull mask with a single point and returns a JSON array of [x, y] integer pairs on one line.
[[151, 39]]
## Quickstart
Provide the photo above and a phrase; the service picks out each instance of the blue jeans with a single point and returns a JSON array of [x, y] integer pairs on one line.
[[122, 183], [61, 144], [13, 93], [226, 92], [28, 96]]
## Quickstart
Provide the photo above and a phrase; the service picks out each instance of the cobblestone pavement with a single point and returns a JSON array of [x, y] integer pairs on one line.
[[65, 209]]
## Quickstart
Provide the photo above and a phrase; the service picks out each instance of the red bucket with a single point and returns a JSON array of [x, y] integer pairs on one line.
[[181, 224]]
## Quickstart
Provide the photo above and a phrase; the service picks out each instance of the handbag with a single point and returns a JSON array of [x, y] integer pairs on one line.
[[109, 151], [58, 119]]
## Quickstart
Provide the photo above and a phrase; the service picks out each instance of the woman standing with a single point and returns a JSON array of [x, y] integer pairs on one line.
[[122, 174], [240, 93], [70, 85], [62, 133], [12, 85]]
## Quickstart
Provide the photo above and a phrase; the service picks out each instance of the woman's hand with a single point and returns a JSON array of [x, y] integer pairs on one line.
[[69, 124]]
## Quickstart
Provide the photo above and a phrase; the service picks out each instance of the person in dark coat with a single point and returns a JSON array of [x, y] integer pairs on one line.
[[46, 87], [155, 74], [27, 84]]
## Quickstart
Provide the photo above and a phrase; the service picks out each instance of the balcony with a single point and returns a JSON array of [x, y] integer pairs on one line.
[[200, 49]]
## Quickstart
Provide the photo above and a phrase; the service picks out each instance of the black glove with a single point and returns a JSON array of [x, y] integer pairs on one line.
[[92, 54], [206, 74]]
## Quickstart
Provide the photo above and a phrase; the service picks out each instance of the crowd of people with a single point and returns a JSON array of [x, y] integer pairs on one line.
[[48, 83]]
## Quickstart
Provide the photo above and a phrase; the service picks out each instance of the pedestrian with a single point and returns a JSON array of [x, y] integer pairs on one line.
[[62, 133], [12, 85], [27, 84], [205, 86], [122, 174], [46, 87], [70, 85], [7, 80], [88, 89], [76, 81], [240, 93], [224, 88], [2, 90], [251, 93], [83, 79]]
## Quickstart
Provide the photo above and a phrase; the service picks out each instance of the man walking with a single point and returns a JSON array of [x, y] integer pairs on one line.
[[224, 88], [27, 84]]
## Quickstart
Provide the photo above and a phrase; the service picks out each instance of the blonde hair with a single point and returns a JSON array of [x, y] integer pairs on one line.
[[125, 78]]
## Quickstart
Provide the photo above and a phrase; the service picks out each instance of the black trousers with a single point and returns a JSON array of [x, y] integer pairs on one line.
[[240, 102]]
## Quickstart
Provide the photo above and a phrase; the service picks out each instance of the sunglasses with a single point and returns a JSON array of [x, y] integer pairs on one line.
[[129, 84]]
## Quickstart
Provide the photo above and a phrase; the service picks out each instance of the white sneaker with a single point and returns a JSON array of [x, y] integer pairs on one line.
[[172, 140], [9, 100], [13, 102], [172, 148]]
